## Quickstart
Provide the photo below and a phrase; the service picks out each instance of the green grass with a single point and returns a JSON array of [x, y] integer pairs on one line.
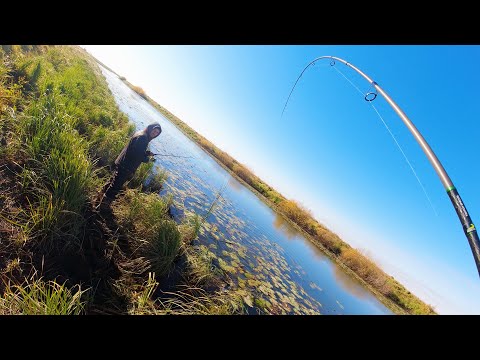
[[190, 300], [200, 270], [141, 175], [58, 157], [141, 302], [162, 247], [38, 297], [63, 106], [60, 130], [146, 180], [157, 241], [154, 236]]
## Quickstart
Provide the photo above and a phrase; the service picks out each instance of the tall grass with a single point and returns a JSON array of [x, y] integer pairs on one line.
[[141, 302], [106, 143], [38, 297], [161, 246], [146, 180], [189, 300], [196, 301], [200, 269], [69, 123], [58, 156], [152, 233], [156, 242], [63, 131], [59, 122], [140, 91]]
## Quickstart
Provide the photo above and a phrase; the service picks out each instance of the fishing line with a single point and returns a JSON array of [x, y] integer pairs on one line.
[[355, 86], [408, 162], [219, 195], [298, 79], [210, 210], [178, 156], [293, 88], [394, 139]]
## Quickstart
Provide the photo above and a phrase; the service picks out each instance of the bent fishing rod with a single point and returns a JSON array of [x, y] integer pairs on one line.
[[462, 213]]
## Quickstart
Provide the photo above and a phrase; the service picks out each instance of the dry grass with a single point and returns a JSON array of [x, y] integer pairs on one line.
[[140, 91], [366, 269], [188, 300]]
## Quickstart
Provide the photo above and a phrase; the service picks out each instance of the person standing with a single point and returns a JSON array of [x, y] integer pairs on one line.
[[127, 162]]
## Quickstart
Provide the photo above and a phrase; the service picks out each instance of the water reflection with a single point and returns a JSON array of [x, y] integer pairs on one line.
[[234, 184], [348, 283], [284, 227]]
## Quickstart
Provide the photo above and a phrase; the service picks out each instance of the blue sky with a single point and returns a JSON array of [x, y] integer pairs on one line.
[[331, 152]]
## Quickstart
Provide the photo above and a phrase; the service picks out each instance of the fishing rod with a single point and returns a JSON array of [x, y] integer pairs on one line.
[[462, 213], [178, 156]]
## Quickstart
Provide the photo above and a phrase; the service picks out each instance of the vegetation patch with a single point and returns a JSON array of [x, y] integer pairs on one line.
[[60, 131]]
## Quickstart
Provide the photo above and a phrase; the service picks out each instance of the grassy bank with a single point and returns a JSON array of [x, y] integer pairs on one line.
[[60, 130], [385, 287]]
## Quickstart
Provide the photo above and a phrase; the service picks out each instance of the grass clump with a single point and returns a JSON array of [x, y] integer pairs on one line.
[[156, 244], [145, 179], [64, 173], [38, 297], [154, 236], [189, 300], [140, 91]]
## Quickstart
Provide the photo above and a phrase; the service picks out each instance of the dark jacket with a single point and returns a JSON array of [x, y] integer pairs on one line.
[[134, 153]]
